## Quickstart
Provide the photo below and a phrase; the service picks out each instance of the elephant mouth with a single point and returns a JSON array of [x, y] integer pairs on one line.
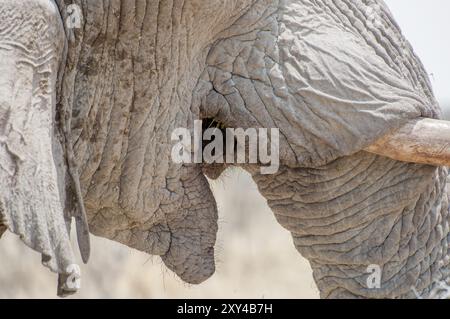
[[420, 141], [214, 170]]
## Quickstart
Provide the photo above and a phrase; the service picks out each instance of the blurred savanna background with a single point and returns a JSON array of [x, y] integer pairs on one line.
[[255, 256]]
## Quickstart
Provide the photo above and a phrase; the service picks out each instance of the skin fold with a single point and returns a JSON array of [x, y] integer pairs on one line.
[[86, 117]]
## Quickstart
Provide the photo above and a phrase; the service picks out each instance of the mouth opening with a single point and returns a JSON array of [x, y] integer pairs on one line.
[[214, 170]]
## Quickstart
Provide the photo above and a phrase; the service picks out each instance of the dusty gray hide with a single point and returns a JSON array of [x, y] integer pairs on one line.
[[86, 117]]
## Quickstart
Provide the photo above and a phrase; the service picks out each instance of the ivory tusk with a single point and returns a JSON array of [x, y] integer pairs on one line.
[[423, 141]]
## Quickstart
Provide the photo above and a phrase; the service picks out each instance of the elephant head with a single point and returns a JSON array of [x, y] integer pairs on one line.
[[91, 91]]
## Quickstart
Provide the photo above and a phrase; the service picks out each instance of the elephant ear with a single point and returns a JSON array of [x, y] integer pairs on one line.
[[334, 77], [33, 166]]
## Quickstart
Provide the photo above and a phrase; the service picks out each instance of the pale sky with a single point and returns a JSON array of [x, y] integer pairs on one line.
[[426, 24]]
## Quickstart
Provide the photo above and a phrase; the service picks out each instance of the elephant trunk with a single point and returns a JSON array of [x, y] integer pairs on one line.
[[366, 212]]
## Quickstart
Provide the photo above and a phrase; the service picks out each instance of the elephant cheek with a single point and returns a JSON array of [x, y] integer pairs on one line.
[[193, 231]]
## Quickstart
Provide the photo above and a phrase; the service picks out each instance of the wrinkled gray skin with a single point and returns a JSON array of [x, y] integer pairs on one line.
[[96, 107]]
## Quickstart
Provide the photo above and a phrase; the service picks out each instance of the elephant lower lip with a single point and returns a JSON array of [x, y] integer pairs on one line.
[[193, 228]]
